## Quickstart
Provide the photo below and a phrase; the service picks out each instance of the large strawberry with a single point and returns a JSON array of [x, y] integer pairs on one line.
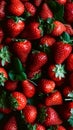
[[3, 76], [15, 7], [14, 26], [61, 52], [22, 48], [2, 9], [30, 113]]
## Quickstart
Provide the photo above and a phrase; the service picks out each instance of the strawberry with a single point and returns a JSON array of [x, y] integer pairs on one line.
[[37, 2], [66, 90], [15, 7], [55, 98], [69, 63], [59, 28], [22, 48], [11, 124], [62, 51], [68, 13], [17, 100], [71, 79], [37, 60], [11, 85], [14, 26], [1, 34], [3, 76], [36, 127], [61, 2], [57, 73], [2, 9], [45, 12], [30, 113], [28, 88], [48, 116], [46, 86], [30, 9], [69, 29]]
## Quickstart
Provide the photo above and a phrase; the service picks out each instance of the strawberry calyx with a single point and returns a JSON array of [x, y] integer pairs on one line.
[[2, 79], [13, 102], [59, 71], [36, 76], [5, 55], [26, 15], [45, 48], [70, 120], [16, 18], [70, 96], [42, 114], [31, 127]]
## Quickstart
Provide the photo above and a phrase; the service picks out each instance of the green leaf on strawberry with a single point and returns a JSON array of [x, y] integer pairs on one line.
[[65, 37], [70, 120], [31, 127], [51, 128]]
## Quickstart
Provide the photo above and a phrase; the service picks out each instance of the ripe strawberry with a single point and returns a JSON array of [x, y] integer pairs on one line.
[[3, 76], [69, 29], [17, 100], [22, 49], [30, 113], [28, 88], [69, 63], [37, 60], [48, 116], [46, 86], [2, 9], [36, 127], [45, 12], [55, 98], [57, 73], [11, 124], [66, 90], [59, 28], [37, 2], [11, 85], [61, 2], [15, 7], [62, 51], [30, 9], [1, 34], [71, 79], [68, 13], [14, 26]]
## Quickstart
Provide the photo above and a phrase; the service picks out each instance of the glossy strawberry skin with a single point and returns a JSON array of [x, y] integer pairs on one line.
[[20, 98], [22, 49], [40, 127], [2, 9], [55, 98], [30, 113], [28, 88], [69, 63], [11, 85], [62, 51], [11, 124]]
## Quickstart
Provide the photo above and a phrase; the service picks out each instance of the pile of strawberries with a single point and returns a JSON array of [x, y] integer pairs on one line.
[[36, 65]]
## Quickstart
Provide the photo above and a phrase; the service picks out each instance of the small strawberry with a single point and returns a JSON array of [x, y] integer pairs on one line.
[[1, 34], [62, 51], [37, 2], [68, 13], [46, 86], [15, 7], [3, 76], [69, 62], [71, 79], [28, 88], [69, 29], [61, 2], [17, 100], [55, 98], [14, 26], [11, 124], [22, 48], [11, 85], [48, 116], [59, 28], [36, 127], [30, 113], [45, 12], [2, 9]]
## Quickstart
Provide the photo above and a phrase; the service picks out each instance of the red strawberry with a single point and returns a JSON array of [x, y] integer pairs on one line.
[[55, 98], [59, 28], [30, 9], [46, 86], [14, 26], [69, 63], [3, 76], [22, 49], [36, 127], [28, 88], [66, 90], [69, 29], [57, 73], [69, 12], [2, 9], [30, 113], [48, 116], [1, 34], [37, 60], [11, 85], [17, 100], [15, 7], [37, 2], [62, 51], [45, 12], [11, 124], [71, 79], [61, 2]]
